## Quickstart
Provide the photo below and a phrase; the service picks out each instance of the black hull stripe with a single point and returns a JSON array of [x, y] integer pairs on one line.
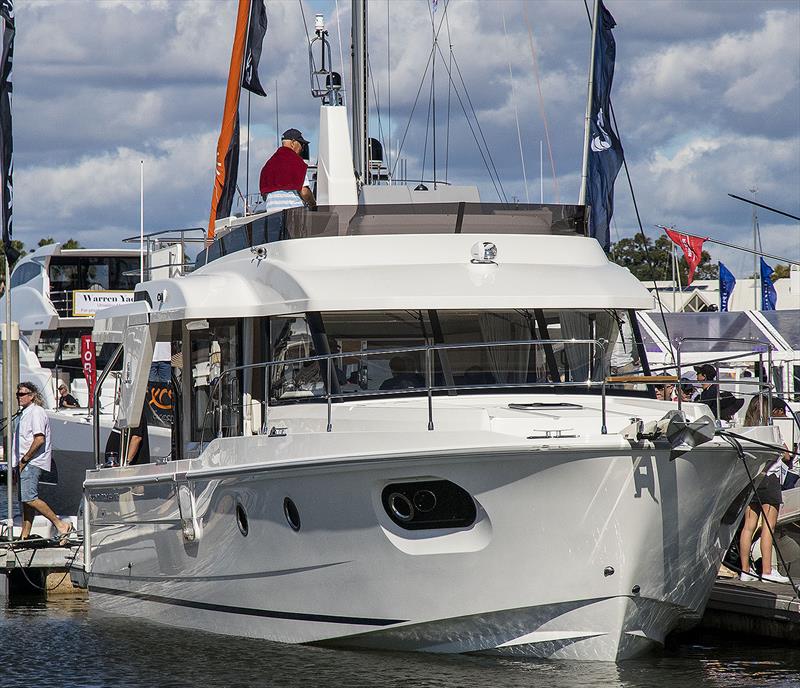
[[244, 611]]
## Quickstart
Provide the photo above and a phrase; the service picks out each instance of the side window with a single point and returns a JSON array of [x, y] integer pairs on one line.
[[295, 379], [25, 273], [215, 403]]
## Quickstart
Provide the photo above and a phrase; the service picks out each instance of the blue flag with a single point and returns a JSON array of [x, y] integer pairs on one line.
[[769, 298], [605, 150], [726, 284]]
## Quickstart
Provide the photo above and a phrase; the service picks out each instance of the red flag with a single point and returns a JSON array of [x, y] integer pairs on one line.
[[89, 361], [692, 249]]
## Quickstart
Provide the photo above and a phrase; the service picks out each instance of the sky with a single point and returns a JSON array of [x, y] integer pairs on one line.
[[706, 95]]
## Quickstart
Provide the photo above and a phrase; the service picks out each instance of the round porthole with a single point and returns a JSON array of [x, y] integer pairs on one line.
[[401, 506], [291, 513], [241, 520]]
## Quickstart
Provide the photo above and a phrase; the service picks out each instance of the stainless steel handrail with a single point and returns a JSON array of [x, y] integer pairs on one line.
[[96, 405], [429, 387]]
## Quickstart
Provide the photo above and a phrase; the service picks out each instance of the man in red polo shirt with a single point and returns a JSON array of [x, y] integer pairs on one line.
[[283, 177]]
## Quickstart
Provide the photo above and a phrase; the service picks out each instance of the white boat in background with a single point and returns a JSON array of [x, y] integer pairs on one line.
[[56, 293], [399, 430]]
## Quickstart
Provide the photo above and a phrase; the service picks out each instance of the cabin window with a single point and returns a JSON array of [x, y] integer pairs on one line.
[[485, 351], [215, 404]]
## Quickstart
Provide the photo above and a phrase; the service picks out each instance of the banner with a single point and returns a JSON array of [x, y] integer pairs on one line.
[[769, 297], [726, 284], [692, 248], [6, 140], [605, 150], [252, 51], [86, 303], [225, 171], [89, 363]]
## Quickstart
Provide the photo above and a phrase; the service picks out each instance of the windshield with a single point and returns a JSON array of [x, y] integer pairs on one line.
[[385, 350]]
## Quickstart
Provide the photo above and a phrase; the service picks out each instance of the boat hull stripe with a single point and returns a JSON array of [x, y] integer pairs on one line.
[[244, 611]]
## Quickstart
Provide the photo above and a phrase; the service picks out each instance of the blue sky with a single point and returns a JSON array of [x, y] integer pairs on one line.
[[706, 93]]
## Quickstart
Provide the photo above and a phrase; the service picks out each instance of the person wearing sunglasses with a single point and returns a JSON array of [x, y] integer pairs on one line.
[[31, 456]]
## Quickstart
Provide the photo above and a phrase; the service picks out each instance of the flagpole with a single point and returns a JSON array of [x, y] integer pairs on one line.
[[740, 248], [756, 273], [672, 255], [586, 122], [7, 403], [141, 220]]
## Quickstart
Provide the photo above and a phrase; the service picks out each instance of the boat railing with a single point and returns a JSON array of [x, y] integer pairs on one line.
[[185, 237], [763, 386], [595, 380]]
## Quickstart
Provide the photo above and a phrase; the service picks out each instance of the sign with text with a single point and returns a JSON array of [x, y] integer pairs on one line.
[[86, 303], [89, 362]]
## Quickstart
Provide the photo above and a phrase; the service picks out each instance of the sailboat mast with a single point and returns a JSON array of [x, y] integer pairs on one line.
[[358, 99], [586, 122]]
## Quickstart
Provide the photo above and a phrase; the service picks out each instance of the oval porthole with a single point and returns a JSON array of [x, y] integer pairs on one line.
[[241, 520], [291, 513]]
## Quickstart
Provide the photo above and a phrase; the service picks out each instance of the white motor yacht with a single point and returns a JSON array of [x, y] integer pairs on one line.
[[397, 428]]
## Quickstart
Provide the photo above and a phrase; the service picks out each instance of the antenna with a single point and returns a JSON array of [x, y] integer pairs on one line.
[[325, 83]]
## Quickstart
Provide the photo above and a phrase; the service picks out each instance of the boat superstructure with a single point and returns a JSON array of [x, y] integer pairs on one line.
[[398, 428], [56, 293]]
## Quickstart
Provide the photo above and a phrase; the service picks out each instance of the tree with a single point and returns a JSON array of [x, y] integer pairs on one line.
[[781, 270], [69, 243], [655, 261]]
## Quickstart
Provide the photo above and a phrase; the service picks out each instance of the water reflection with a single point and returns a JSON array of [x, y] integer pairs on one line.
[[84, 648]]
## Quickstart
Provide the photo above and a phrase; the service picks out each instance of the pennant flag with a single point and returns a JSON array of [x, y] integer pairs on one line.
[[435, 5], [726, 284], [227, 162], [6, 141], [692, 250], [769, 297], [605, 150], [252, 51]]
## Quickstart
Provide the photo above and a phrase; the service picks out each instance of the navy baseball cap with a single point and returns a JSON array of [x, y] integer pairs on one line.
[[293, 135]]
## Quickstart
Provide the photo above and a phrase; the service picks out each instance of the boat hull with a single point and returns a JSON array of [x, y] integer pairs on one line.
[[575, 553]]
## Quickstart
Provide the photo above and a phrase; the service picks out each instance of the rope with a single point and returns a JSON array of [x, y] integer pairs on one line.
[[516, 115], [732, 439], [44, 588], [541, 105]]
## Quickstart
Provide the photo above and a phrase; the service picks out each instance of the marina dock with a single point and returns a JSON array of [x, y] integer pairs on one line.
[[754, 608], [36, 570]]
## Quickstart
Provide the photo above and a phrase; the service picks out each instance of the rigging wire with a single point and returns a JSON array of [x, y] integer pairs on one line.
[[386, 151], [541, 103], [449, 90], [308, 35], [339, 35], [480, 129], [377, 107], [516, 115], [427, 127], [475, 137]]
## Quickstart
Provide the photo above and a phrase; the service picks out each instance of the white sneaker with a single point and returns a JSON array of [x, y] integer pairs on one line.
[[775, 577], [748, 576]]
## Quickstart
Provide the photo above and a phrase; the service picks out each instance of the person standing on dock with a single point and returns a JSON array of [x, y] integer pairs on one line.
[[31, 455], [283, 180]]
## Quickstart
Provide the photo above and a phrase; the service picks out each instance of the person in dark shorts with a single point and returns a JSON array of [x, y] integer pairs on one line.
[[766, 502]]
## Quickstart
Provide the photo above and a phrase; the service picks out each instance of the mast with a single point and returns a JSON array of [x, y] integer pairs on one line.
[[586, 122], [358, 99]]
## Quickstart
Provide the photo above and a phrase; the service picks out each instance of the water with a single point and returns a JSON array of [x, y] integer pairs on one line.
[[65, 644]]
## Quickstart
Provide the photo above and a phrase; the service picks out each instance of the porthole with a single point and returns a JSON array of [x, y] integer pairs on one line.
[[291, 513], [428, 504], [400, 506], [241, 520]]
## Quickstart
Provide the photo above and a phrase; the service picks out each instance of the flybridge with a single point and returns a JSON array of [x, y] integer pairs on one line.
[[385, 219]]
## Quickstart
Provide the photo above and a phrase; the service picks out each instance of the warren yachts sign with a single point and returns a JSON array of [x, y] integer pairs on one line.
[[87, 303]]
